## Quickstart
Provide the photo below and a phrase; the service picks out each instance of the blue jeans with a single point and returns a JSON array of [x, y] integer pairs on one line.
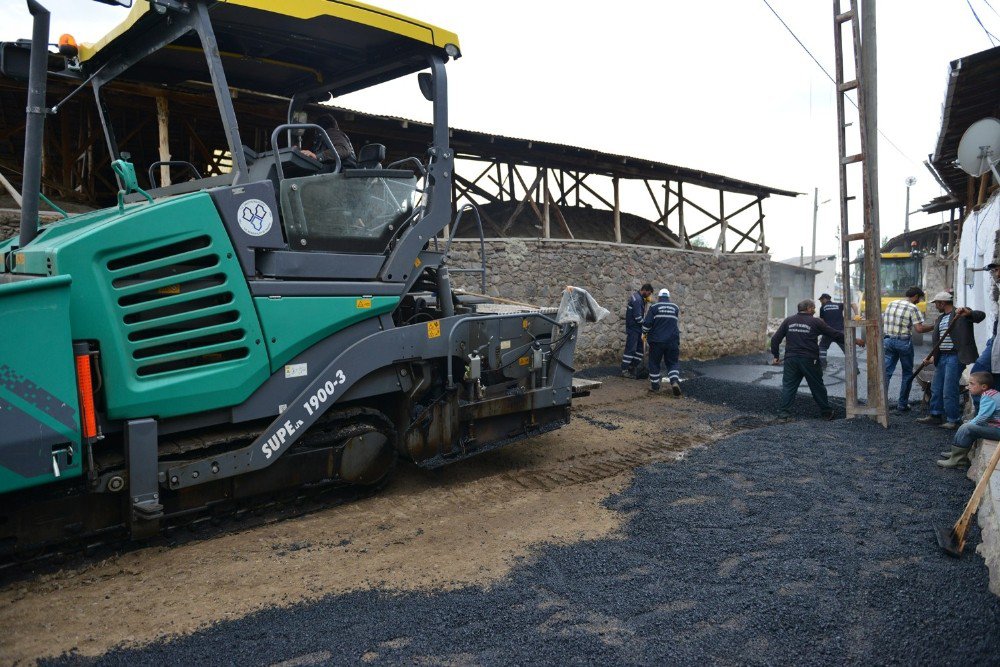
[[967, 434], [901, 350], [984, 363], [944, 388]]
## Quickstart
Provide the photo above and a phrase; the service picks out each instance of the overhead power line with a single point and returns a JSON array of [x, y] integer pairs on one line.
[[989, 34], [830, 77]]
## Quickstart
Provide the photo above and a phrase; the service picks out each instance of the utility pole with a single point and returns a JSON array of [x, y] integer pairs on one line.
[[861, 28], [815, 215], [906, 226]]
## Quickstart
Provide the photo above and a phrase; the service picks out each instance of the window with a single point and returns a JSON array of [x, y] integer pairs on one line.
[[778, 306], [354, 213]]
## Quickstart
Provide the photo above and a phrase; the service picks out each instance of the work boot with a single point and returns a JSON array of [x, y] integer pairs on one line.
[[654, 388], [627, 373], [827, 416], [930, 420], [951, 426], [676, 387], [958, 458]]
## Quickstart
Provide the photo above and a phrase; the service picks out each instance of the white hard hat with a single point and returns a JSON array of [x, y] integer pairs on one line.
[[664, 292]]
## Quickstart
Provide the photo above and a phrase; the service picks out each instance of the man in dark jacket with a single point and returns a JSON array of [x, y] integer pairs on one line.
[[634, 314], [801, 334], [661, 330], [832, 313], [958, 349], [341, 144]]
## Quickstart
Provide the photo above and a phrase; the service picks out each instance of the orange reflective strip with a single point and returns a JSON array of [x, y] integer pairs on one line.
[[85, 389]]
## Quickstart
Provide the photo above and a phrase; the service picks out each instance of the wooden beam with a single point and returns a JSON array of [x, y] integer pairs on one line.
[[656, 202], [618, 212], [680, 213], [711, 216], [529, 197], [559, 215], [666, 237], [723, 221], [10, 188], [546, 227], [520, 205], [749, 231], [163, 127], [593, 192], [470, 186]]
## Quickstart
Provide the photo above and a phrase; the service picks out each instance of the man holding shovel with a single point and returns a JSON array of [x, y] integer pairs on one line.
[[954, 348]]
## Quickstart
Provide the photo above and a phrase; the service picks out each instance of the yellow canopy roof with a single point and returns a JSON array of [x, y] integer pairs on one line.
[[282, 46]]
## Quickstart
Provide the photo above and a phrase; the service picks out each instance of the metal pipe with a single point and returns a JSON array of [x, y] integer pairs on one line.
[[445, 301], [203, 25], [34, 133]]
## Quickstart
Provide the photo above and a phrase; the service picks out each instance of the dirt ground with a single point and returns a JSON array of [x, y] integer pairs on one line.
[[467, 524]]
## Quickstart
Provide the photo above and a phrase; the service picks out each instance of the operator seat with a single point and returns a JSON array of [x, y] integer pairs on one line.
[[371, 156]]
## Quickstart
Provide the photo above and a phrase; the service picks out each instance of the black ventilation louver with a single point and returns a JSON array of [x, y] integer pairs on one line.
[[176, 308]]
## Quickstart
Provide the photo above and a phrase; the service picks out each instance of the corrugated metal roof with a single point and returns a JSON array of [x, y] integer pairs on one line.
[[532, 152], [973, 93]]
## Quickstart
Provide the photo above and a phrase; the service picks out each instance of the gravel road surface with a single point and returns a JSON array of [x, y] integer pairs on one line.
[[807, 542]]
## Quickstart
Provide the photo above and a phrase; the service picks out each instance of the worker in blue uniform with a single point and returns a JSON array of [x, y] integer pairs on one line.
[[833, 314], [634, 313], [661, 329]]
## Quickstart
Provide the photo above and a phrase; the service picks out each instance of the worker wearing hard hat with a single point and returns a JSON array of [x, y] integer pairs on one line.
[[660, 328]]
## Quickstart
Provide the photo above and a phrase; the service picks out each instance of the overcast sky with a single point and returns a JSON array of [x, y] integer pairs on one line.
[[718, 85]]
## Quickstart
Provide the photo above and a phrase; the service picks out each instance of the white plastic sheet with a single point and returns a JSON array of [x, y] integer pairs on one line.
[[578, 306]]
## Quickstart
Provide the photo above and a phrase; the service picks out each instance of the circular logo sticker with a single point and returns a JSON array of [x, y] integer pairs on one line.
[[255, 217]]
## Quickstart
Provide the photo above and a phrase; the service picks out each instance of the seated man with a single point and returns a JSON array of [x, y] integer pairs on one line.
[[341, 144]]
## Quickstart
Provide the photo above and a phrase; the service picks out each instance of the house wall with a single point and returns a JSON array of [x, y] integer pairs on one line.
[[792, 283], [978, 248]]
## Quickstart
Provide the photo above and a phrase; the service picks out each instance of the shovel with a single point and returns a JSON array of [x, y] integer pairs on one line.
[[925, 364], [953, 540]]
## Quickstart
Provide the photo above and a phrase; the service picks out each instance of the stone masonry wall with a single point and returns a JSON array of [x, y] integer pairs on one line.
[[723, 298]]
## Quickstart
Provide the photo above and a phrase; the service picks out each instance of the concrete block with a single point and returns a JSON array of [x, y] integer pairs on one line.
[[989, 511]]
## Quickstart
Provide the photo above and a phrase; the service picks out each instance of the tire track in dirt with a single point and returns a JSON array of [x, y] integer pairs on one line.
[[465, 524]]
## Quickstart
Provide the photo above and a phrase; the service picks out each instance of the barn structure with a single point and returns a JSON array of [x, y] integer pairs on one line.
[[606, 218]]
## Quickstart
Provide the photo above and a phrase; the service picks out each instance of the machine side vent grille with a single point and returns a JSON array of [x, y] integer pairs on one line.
[[180, 287], [219, 299], [192, 344], [183, 326], [193, 362], [177, 308], [163, 252], [203, 262]]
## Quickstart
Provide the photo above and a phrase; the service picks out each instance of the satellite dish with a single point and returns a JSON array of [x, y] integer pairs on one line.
[[979, 149]]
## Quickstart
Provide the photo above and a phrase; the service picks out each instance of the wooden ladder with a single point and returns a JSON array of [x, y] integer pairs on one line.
[[871, 323]]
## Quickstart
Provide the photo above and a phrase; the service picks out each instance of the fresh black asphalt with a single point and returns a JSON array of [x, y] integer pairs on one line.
[[800, 543]]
